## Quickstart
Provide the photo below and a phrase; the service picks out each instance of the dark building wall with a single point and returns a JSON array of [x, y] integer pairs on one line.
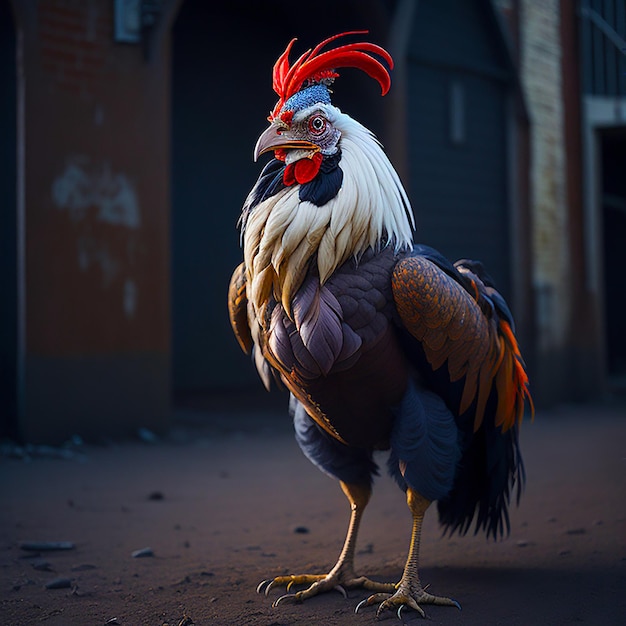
[[593, 59], [105, 196], [458, 110], [613, 155], [96, 189], [579, 375]]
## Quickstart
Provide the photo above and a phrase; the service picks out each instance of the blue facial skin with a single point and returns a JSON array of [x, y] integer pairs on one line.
[[307, 97]]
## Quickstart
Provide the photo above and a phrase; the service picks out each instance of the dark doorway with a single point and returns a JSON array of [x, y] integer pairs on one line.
[[613, 144], [8, 224], [222, 58]]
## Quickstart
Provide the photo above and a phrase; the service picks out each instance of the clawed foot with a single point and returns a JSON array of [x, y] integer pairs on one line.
[[320, 583], [404, 597]]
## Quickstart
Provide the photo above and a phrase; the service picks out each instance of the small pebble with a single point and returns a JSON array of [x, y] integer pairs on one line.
[[156, 495], [522, 543], [144, 552], [576, 531], [83, 567], [301, 530], [59, 583]]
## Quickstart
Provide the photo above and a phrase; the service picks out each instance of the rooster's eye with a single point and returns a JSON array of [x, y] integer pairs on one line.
[[317, 125]]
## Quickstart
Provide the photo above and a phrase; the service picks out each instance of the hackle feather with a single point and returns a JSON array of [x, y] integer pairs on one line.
[[282, 235]]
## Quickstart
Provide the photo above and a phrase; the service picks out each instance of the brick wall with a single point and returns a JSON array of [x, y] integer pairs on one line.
[[541, 76], [74, 37], [568, 361], [96, 203]]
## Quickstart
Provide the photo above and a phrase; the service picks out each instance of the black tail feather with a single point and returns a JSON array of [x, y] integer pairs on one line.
[[491, 470]]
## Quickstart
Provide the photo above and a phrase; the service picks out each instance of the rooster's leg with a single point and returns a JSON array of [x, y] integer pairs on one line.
[[409, 591], [342, 575]]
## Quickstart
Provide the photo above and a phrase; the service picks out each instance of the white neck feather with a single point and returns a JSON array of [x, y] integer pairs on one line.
[[371, 210]]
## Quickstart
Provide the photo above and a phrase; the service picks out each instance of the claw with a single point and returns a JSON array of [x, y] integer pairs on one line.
[[288, 597], [418, 608], [342, 591], [360, 604], [262, 584], [269, 587]]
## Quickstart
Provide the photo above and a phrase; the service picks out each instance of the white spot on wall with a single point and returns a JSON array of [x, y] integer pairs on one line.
[[82, 187], [88, 192], [130, 298]]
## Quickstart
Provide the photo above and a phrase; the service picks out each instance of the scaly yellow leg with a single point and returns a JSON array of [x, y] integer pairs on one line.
[[409, 591], [342, 575]]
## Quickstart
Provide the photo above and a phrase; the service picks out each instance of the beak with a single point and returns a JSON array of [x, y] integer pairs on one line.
[[274, 137]]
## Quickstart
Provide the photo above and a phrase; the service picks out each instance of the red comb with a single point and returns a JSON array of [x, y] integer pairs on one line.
[[315, 65]]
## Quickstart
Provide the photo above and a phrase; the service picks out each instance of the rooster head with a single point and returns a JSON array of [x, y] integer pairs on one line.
[[304, 126]]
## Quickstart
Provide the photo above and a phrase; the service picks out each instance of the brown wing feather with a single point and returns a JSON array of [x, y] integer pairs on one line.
[[238, 308], [453, 329]]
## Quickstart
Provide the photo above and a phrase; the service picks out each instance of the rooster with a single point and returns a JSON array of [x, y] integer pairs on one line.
[[382, 344]]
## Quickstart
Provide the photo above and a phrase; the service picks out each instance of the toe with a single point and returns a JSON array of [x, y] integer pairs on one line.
[[397, 603]]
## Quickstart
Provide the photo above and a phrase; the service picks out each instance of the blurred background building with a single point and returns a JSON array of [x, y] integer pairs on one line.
[[126, 137]]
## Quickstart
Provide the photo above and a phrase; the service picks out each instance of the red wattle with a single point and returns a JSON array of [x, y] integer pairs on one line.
[[306, 169], [289, 177]]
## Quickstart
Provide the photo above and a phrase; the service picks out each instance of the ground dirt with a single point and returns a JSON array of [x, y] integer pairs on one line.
[[226, 501]]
